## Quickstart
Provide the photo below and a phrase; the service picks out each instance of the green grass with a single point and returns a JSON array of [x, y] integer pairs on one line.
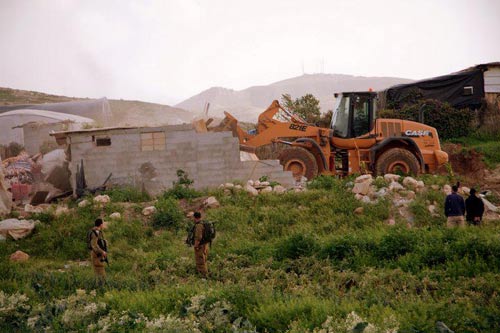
[[292, 262]]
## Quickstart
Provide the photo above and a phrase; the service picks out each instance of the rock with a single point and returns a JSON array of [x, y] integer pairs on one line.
[[410, 182], [115, 216], [227, 191], [250, 182], [435, 187], [362, 188], [83, 203], [256, 183], [447, 189], [250, 189], [238, 187], [221, 186], [395, 186], [211, 202], [265, 183], [147, 211], [60, 210], [279, 189], [359, 211], [381, 193], [364, 179], [410, 195], [420, 184], [390, 177], [359, 196], [431, 209], [102, 199], [228, 185], [366, 199], [391, 222], [32, 209], [266, 189], [19, 256], [442, 328]]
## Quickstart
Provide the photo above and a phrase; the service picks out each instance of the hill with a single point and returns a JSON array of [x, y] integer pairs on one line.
[[248, 103], [124, 112]]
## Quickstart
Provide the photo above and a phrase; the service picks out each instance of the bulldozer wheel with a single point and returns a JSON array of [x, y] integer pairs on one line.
[[397, 160], [299, 161]]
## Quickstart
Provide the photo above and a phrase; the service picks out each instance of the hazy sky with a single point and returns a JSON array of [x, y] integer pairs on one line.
[[166, 51]]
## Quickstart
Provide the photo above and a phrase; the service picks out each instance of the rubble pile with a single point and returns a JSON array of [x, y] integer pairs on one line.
[[256, 187]]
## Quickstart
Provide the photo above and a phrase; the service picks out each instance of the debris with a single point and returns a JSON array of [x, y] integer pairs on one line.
[[149, 211], [32, 209], [39, 197], [211, 202], [5, 196], [115, 216], [19, 256], [15, 228]]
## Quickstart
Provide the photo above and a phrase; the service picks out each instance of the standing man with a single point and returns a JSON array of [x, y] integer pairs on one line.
[[454, 209], [474, 207], [200, 247], [98, 249]]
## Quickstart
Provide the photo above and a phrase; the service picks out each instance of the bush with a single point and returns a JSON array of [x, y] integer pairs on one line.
[[296, 246], [448, 121], [181, 188], [168, 214], [127, 194]]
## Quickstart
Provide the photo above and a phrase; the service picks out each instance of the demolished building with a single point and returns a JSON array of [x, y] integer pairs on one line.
[[148, 157]]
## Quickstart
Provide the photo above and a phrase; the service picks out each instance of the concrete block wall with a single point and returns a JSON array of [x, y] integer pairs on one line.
[[208, 158]]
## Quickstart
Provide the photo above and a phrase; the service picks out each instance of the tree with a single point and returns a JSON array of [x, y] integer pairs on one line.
[[307, 107]]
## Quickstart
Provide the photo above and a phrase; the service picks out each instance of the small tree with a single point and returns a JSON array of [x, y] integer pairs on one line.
[[307, 107]]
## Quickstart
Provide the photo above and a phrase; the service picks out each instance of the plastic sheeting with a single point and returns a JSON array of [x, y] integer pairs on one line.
[[15, 228], [5, 196]]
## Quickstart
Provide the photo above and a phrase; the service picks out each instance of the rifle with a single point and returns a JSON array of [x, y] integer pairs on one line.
[[104, 245]]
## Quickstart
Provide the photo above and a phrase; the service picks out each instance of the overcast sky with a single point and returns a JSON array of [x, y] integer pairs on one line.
[[167, 51]]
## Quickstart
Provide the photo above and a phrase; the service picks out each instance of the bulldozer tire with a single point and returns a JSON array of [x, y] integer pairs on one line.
[[397, 160], [300, 162]]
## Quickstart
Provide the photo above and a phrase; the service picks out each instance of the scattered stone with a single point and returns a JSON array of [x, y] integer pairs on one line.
[[60, 210], [447, 189], [238, 187], [366, 199], [32, 209], [410, 182], [83, 203], [381, 193], [115, 216], [362, 188], [390, 177], [410, 195], [359, 211], [266, 189], [395, 186], [250, 182], [431, 209], [228, 185], [19, 256], [102, 199], [265, 183], [279, 189], [359, 196], [211, 202], [149, 211], [391, 222], [364, 179], [250, 189], [256, 183]]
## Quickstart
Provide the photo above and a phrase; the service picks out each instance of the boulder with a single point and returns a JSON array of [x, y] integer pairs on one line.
[[359, 211], [362, 188], [147, 211], [211, 202], [19, 256], [410, 182], [115, 216], [228, 185], [395, 186], [364, 179], [102, 199], [266, 189], [250, 189], [83, 203], [279, 189], [390, 177]]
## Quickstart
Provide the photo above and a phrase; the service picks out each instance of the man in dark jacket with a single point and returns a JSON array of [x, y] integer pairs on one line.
[[454, 209], [475, 208]]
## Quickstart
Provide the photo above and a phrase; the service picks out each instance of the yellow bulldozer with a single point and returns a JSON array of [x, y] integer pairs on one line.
[[356, 142]]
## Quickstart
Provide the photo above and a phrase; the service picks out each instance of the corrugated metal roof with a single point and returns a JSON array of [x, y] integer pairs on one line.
[[50, 115]]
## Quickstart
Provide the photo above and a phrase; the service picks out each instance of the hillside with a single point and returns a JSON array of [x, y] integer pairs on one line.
[[298, 262], [124, 112], [248, 103]]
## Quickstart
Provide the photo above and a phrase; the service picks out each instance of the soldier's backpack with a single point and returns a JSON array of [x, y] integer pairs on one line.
[[89, 238], [208, 232]]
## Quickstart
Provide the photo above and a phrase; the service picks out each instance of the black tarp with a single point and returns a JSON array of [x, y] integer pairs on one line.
[[447, 88]]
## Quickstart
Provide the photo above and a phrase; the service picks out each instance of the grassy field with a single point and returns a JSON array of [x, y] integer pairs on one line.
[[298, 262]]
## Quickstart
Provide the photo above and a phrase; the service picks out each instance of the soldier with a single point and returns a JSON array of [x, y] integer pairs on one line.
[[98, 249], [200, 247]]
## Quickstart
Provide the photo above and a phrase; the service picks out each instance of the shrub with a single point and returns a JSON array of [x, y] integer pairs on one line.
[[168, 214], [127, 194], [181, 188], [296, 246]]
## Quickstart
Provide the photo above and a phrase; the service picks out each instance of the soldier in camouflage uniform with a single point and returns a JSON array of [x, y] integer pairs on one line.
[[200, 248], [97, 254]]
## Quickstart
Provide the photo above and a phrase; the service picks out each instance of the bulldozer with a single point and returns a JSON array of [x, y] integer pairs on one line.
[[357, 142]]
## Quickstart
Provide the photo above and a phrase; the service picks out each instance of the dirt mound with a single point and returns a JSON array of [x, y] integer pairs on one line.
[[466, 162]]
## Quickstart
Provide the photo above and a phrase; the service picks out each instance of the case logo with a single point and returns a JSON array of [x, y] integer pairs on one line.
[[418, 133]]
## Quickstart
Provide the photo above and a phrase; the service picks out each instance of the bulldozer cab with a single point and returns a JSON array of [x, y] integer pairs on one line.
[[354, 114]]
